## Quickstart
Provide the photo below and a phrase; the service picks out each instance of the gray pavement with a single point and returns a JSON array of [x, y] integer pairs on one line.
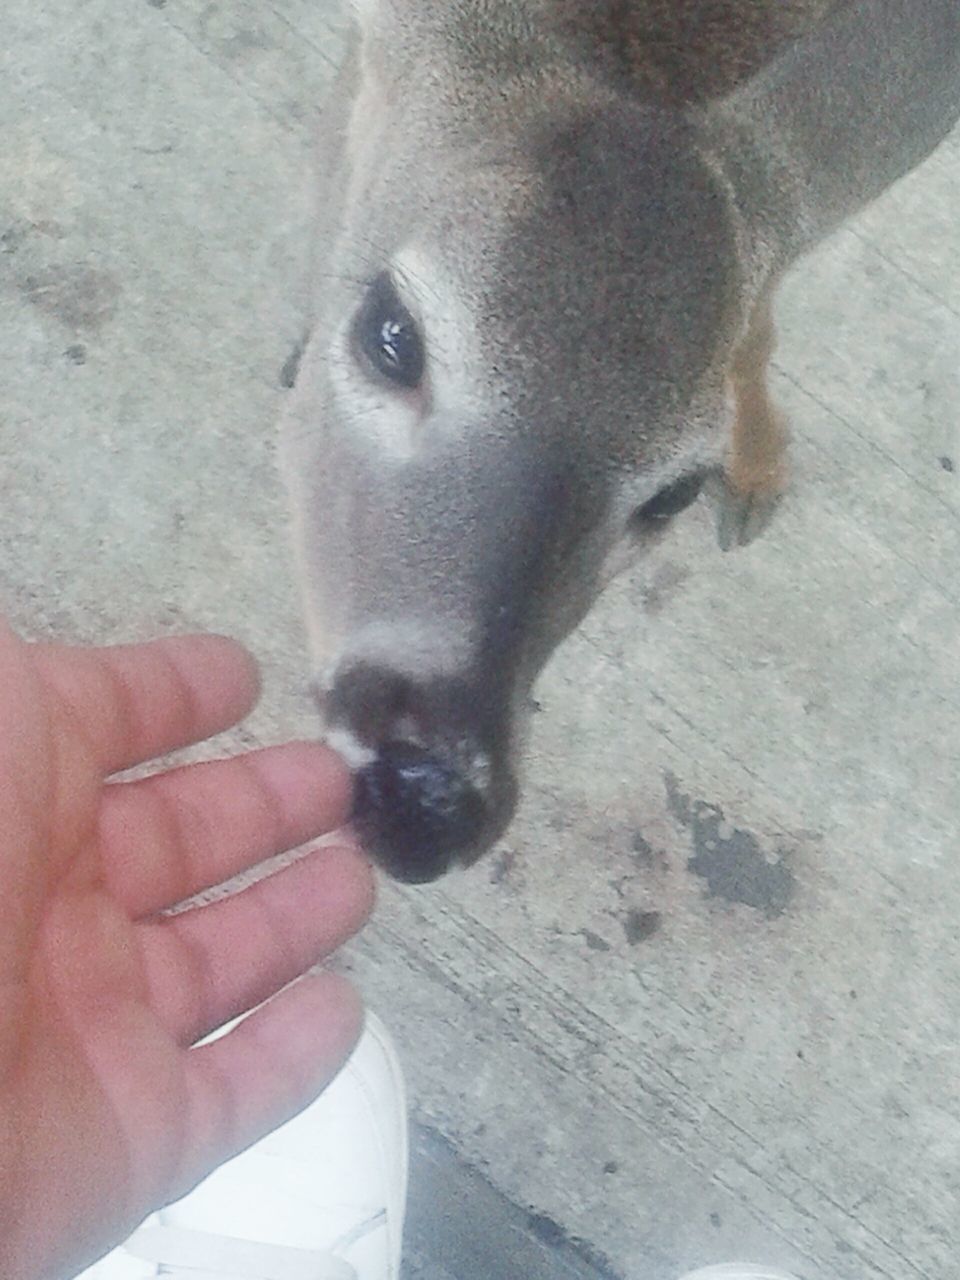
[[703, 1002]]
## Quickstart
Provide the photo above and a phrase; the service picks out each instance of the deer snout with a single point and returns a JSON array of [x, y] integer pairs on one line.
[[415, 814], [429, 793]]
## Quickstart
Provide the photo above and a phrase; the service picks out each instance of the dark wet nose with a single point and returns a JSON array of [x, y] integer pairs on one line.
[[414, 813]]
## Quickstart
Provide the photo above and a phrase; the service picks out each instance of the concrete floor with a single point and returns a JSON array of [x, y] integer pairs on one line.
[[704, 1001]]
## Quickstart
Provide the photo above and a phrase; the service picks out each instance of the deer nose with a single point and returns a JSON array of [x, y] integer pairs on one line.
[[414, 813], [414, 809]]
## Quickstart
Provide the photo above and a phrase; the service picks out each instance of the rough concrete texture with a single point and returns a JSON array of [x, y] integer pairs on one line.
[[703, 1002]]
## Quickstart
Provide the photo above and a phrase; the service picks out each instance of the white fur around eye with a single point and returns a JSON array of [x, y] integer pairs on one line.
[[456, 391], [459, 378], [385, 419]]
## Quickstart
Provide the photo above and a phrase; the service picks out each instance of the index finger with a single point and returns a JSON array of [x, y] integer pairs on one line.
[[134, 702]]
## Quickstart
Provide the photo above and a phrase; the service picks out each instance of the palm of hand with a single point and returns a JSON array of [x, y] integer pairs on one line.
[[106, 1108]]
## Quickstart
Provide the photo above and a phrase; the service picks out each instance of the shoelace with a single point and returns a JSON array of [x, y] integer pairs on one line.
[[183, 1254]]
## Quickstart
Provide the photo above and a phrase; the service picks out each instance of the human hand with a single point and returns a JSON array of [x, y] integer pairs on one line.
[[106, 1111]]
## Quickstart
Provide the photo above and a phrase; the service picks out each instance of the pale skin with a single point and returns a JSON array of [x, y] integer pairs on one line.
[[106, 1109]]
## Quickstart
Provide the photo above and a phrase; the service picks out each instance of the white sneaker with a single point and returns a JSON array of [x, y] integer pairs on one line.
[[322, 1198], [737, 1271]]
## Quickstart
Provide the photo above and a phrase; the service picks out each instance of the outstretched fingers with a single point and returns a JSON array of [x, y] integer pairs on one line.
[[212, 963], [135, 702], [167, 837]]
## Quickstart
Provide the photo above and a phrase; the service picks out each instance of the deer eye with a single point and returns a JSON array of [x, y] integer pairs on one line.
[[668, 502], [387, 336]]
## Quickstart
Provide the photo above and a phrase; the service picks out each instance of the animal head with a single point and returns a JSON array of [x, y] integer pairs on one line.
[[526, 299]]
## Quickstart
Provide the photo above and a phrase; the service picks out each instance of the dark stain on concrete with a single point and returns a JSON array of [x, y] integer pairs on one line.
[[639, 926], [245, 41], [643, 849], [80, 297], [730, 859], [947, 463], [594, 941], [288, 374], [12, 238], [620, 886]]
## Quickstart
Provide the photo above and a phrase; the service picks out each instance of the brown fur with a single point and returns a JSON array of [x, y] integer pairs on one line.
[[756, 467], [687, 51]]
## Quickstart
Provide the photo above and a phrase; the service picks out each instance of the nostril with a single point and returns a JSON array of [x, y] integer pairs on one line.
[[370, 701], [414, 813]]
